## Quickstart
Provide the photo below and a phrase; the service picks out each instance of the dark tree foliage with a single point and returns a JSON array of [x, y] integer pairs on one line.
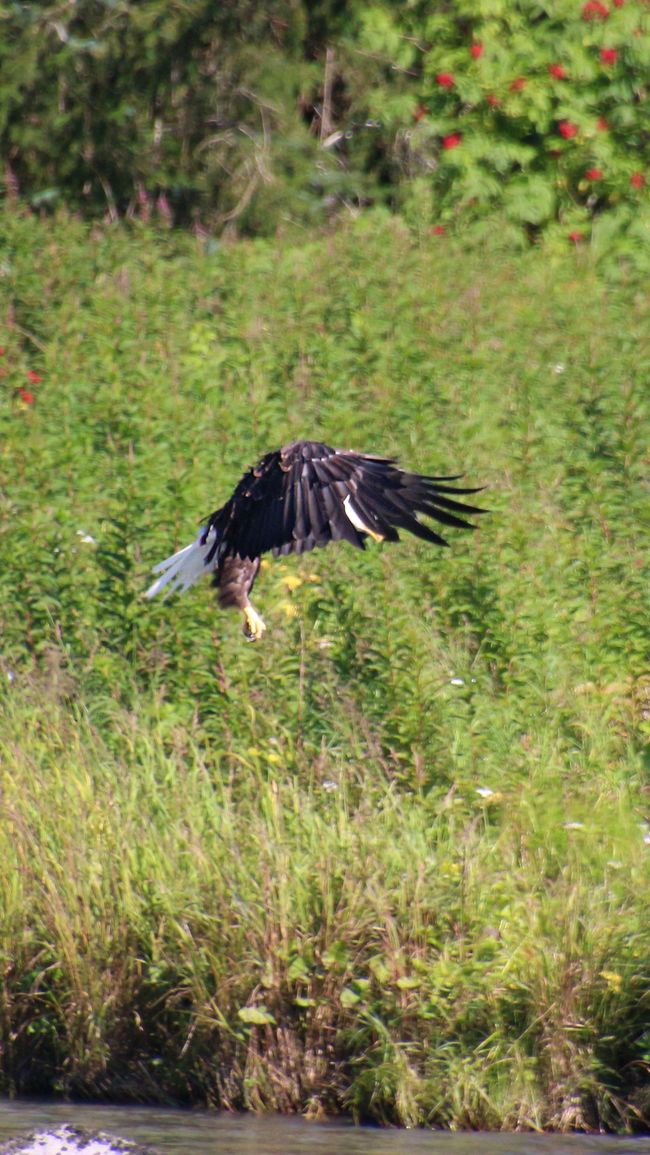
[[118, 107]]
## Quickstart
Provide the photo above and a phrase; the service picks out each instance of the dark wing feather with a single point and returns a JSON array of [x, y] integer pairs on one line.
[[308, 494]]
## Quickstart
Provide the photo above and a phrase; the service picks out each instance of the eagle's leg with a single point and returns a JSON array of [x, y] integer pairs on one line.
[[234, 580], [254, 625]]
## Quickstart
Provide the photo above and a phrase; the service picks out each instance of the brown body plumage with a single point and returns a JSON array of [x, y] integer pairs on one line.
[[301, 497]]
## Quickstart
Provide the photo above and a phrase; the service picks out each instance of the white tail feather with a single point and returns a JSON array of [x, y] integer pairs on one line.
[[184, 568]]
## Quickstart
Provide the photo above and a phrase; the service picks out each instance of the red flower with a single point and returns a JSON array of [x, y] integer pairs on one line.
[[593, 174], [637, 180], [476, 50], [618, 3], [34, 377], [445, 80], [567, 129], [492, 99], [419, 112], [576, 236], [452, 141], [518, 84], [438, 230], [26, 396], [557, 71], [595, 10], [608, 55], [602, 125], [2, 350]]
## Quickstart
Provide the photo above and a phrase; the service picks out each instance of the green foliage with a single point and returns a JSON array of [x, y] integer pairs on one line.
[[540, 108], [237, 116], [154, 109], [392, 860]]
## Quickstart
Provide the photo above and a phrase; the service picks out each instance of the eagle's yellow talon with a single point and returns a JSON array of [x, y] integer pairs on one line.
[[254, 625]]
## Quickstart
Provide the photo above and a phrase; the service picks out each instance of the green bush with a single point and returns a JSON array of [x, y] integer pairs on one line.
[[540, 108]]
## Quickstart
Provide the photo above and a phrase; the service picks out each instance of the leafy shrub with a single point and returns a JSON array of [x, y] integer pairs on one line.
[[540, 108]]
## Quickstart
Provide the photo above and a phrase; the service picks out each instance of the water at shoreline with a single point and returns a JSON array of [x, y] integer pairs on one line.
[[179, 1132]]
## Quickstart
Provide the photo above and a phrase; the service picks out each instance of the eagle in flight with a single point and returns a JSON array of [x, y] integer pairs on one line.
[[302, 496]]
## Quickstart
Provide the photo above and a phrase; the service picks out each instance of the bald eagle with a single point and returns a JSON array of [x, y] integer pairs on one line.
[[302, 496]]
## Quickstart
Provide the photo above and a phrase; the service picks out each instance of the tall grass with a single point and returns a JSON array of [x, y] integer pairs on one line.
[[393, 859]]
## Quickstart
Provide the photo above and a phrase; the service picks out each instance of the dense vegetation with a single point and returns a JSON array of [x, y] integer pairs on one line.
[[246, 116], [392, 860]]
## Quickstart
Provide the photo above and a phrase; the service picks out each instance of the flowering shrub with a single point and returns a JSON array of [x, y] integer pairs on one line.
[[544, 112]]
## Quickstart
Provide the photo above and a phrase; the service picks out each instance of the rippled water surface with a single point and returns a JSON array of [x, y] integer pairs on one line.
[[202, 1133]]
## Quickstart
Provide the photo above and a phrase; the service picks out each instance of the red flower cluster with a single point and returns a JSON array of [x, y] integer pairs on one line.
[[618, 3], [576, 236], [452, 141], [595, 10], [438, 230], [557, 71], [567, 129], [608, 55], [518, 84], [476, 50], [492, 99], [26, 395], [602, 125], [637, 180], [445, 80], [594, 174]]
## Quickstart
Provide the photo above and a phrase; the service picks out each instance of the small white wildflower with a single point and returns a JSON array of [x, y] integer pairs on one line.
[[484, 791], [329, 785], [86, 537], [646, 839], [457, 682], [559, 368], [10, 675], [573, 825]]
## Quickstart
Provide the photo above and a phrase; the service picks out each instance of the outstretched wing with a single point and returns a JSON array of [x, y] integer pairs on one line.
[[308, 494]]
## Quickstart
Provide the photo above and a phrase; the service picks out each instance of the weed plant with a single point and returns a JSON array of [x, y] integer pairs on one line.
[[394, 859]]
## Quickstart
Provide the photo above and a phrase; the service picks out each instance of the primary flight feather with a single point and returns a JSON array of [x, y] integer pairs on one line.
[[300, 497]]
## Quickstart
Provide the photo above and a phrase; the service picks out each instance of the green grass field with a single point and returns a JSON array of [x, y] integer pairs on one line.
[[393, 860]]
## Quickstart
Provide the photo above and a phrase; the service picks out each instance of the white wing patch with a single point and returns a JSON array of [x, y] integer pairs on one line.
[[353, 516]]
